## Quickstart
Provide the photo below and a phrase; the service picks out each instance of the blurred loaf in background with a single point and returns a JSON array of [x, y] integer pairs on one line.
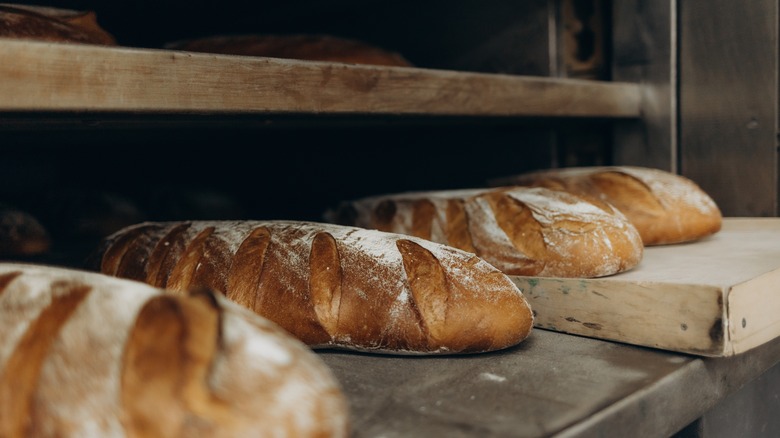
[[664, 207]]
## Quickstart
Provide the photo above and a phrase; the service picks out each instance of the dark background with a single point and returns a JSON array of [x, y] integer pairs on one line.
[[275, 166]]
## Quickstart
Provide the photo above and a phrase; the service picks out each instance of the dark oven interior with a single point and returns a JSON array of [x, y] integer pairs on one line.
[[66, 167]]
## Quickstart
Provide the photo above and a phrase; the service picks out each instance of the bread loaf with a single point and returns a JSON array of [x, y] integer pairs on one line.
[[83, 354], [303, 47], [664, 207], [52, 24], [333, 286], [21, 234], [521, 231]]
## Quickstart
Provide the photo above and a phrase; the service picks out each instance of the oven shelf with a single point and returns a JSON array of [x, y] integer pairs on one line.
[[70, 79]]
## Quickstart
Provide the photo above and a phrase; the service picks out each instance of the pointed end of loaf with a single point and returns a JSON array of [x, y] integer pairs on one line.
[[466, 305]]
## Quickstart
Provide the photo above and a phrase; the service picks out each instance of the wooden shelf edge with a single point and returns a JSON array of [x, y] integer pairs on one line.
[[715, 297], [49, 77]]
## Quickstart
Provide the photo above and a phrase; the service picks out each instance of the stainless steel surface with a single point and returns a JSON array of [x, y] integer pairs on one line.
[[729, 102], [551, 384], [644, 51]]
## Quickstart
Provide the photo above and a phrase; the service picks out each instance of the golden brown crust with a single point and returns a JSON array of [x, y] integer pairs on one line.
[[124, 243], [521, 231], [429, 287], [164, 256], [422, 219], [184, 273], [19, 375], [191, 365], [183, 335], [284, 295], [457, 233], [135, 254], [50, 24], [664, 207], [247, 268], [517, 221], [304, 47], [344, 287], [325, 281]]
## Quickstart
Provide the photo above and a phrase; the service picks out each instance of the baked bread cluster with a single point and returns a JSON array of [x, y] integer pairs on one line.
[[521, 231], [333, 286], [217, 341]]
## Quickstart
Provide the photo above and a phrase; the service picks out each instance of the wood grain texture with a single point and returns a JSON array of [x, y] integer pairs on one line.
[[715, 297], [38, 76]]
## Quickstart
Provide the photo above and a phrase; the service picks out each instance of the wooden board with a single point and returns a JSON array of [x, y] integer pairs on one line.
[[38, 76], [716, 297]]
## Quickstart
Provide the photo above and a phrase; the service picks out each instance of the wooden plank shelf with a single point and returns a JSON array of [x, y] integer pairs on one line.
[[716, 297], [68, 78]]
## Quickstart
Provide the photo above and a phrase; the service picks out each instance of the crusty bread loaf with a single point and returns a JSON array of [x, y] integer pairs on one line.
[[21, 234], [52, 24], [521, 231], [303, 47], [83, 354], [333, 286], [664, 207]]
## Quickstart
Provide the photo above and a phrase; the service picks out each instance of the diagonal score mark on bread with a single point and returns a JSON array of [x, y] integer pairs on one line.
[[618, 187], [457, 228], [325, 282], [429, 288], [19, 376], [345, 287], [137, 253], [166, 365], [165, 254], [519, 224], [84, 354], [183, 272], [213, 266], [519, 230], [246, 271], [116, 248]]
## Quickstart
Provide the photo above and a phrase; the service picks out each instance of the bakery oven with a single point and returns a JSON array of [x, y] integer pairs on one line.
[[98, 137]]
